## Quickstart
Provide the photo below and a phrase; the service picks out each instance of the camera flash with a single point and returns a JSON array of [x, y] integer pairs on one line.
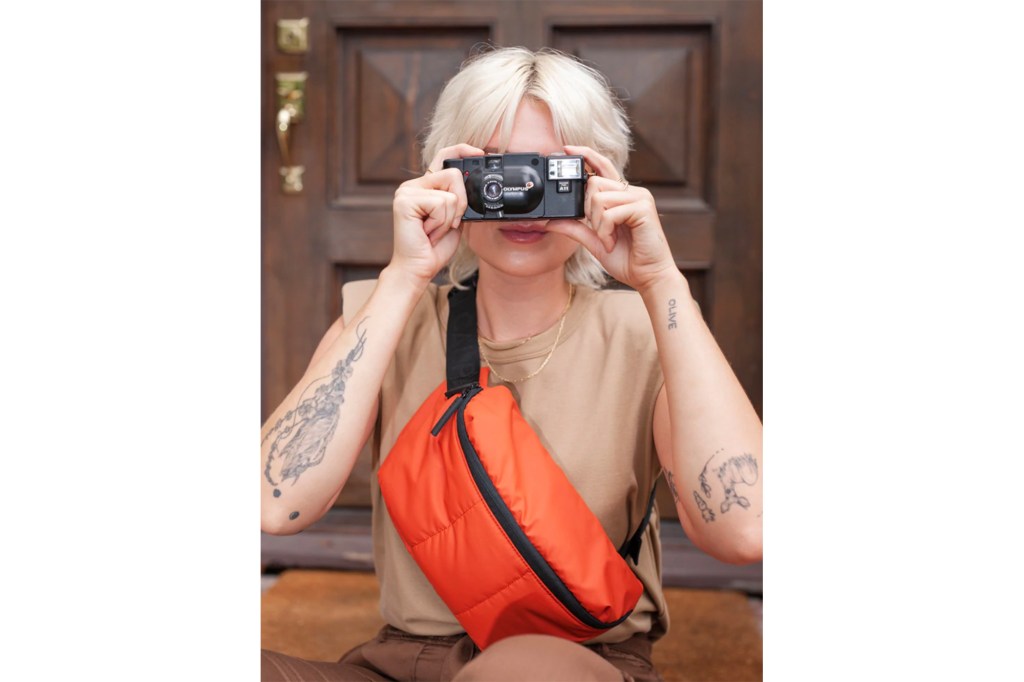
[[565, 168]]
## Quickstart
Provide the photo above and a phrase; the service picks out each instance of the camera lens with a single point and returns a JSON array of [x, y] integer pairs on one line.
[[492, 190]]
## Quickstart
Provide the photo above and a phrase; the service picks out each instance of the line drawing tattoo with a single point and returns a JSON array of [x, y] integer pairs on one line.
[[737, 470], [705, 487], [705, 510], [672, 485], [303, 433]]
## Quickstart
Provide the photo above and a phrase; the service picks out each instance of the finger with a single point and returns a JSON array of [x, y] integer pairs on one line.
[[598, 183], [578, 232], [452, 211], [458, 151], [602, 229], [609, 220], [455, 183], [447, 181], [434, 214], [613, 196], [436, 210], [439, 234], [598, 162], [443, 233], [445, 245]]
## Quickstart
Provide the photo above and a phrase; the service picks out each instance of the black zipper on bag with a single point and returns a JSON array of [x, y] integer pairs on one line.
[[467, 393], [537, 563]]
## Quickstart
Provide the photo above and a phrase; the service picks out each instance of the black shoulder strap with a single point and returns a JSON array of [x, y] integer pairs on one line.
[[463, 371], [631, 547], [463, 353]]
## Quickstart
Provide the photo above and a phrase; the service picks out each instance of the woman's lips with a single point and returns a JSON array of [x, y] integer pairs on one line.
[[523, 234]]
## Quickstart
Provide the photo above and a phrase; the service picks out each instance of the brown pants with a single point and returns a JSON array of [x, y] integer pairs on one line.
[[397, 655]]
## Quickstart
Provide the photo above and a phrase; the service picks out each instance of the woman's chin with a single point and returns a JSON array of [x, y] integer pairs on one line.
[[521, 265], [520, 250]]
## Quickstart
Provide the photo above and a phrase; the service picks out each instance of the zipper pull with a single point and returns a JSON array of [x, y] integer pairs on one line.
[[463, 398]]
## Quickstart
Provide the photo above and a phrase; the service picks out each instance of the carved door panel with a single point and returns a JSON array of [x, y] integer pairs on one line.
[[689, 72]]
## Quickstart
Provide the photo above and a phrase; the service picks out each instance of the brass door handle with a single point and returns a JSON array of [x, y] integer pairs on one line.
[[291, 90], [285, 116]]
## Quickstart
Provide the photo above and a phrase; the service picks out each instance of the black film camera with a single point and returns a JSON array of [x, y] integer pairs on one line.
[[522, 186]]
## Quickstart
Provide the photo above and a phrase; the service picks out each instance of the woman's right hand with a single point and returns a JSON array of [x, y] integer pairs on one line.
[[427, 212]]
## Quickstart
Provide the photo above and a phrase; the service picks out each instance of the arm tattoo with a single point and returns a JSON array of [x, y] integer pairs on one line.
[[672, 324], [705, 510], [742, 469], [672, 485], [704, 485], [735, 471], [303, 433]]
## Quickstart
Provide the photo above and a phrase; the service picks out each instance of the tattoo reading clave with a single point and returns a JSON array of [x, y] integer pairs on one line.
[[302, 434]]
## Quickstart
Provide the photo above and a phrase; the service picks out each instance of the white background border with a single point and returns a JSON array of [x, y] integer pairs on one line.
[[893, 374]]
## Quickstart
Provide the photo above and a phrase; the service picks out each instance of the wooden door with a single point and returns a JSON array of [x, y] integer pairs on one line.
[[689, 72]]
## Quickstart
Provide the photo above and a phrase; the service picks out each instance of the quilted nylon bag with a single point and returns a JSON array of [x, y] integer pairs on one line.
[[492, 520]]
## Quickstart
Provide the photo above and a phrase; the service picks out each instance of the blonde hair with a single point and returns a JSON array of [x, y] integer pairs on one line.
[[485, 96]]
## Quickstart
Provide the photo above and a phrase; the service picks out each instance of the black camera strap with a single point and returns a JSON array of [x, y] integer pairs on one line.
[[463, 353]]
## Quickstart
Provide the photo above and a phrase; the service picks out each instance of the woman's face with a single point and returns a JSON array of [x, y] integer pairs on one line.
[[522, 248]]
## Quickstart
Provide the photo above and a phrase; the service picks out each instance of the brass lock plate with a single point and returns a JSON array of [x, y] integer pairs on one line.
[[291, 92], [293, 36], [291, 179]]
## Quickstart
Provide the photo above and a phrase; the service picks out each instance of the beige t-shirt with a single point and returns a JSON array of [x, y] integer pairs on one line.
[[591, 406]]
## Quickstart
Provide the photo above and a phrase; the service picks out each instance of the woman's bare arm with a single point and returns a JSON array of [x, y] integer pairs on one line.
[[706, 432], [311, 441]]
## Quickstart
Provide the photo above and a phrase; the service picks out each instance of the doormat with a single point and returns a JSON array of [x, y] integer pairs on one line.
[[715, 635]]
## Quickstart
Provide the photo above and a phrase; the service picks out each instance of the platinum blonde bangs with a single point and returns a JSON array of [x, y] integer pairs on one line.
[[485, 95]]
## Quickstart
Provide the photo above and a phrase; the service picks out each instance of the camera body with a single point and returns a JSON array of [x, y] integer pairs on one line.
[[524, 186]]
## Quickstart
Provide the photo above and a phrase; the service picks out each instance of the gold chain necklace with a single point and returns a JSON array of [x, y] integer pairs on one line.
[[561, 324], [494, 345]]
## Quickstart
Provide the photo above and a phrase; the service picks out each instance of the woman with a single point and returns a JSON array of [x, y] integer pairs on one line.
[[619, 385]]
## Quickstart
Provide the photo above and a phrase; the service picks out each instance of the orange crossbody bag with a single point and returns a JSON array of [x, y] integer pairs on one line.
[[492, 520]]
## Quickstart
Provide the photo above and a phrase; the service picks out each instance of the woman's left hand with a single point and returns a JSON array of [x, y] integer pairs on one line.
[[625, 233]]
